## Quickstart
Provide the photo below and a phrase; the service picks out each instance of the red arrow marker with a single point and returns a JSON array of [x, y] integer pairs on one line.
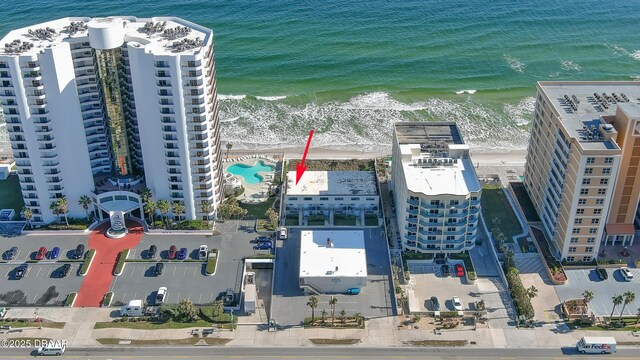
[[301, 167]]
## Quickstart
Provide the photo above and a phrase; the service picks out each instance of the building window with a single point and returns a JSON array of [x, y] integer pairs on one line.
[[453, 202], [588, 249], [579, 211], [591, 160], [582, 201], [586, 181], [593, 230], [354, 199], [306, 199], [572, 249], [591, 240], [599, 202], [584, 191], [450, 237], [339, 199], [597, 211], [602, 191], [370, 199], [604, 181], [435, 202], [608, 160], [574, 240], [449, 246], [570, 259], [293, 198], [588, 171], [586, 258], [324, 199], [595, 221], [606, 170], [575, 231]]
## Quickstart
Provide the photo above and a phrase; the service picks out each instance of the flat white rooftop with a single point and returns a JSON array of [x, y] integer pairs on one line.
[[345, 257], [158, 39], [332, 183]]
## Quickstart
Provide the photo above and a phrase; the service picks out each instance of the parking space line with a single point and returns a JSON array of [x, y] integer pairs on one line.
[[39, 269], [211, 299], [135, 296], [123, 297], [179, 296], [184, 273], [189, 297], [34, 298], [200, 299], [174, 271]]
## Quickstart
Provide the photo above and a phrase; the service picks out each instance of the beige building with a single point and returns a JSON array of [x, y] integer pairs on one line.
[[581, 165], [436, 190]]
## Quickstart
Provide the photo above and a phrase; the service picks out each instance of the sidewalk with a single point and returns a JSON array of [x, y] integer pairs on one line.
[[382, 332]]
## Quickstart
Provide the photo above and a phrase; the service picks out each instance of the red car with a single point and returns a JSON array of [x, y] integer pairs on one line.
[[173, 250], [459, 270], [41, 253]]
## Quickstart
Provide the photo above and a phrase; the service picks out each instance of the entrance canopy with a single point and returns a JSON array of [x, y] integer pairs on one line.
[[124, 201]]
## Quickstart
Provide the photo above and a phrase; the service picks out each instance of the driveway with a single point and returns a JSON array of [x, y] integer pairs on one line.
[[532, 273]]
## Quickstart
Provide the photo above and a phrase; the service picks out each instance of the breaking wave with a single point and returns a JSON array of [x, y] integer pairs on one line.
[[570, 65], [514, 63], [470, 92]]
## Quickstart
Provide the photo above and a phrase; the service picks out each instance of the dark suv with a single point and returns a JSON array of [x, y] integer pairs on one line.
[[435, 304], [446, 271], [157, 271], [229, 297], [152, 252], [79, 253], [602, 273]]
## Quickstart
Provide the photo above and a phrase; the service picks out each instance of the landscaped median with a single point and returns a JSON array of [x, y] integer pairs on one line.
[[165, 342], [21, 323], [71, 298], [122, 257], [106, 301], [87, 262], [212, 262]]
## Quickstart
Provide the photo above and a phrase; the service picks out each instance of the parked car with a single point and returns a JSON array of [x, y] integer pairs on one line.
[[172, 252], [602, 273], [79, 253], [353, 291], [626, 273], [459, 270], [157, 271], [283, 233], [151, 253], [229, 297], [161, 295], [457, 304], [42, 252], [263, 246], [10, 254], [21, 271], [435, 304], [64, 270], [445, 270], [203, 252], [54, 253], [260, 239], [182, 254]]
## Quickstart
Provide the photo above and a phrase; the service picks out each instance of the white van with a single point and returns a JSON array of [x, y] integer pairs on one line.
[[283, 233], [52, 350], [134, 308]]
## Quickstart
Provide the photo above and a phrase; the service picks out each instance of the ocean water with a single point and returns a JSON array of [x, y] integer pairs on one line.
[[351, 69]]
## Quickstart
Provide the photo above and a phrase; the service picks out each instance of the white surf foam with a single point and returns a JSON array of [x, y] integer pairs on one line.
[[231, 97], [514, 63], [570, 65], [522, 112], [271, 98], [470, 92], [636, 55]]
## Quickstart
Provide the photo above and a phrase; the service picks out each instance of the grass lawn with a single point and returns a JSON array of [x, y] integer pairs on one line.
[[525, 202], [496, 206], [144, 325], [187, 341], [257, 211], [315, 220], [371, 221], [335, 341], [17, 324], [291, 221], [438, 343], [344, 220], [11, 195]]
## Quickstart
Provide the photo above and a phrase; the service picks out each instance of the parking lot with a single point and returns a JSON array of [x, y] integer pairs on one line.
[[41, 286], [28, 245], [290, 303], [430, 281], [580, 280], [186, 279]]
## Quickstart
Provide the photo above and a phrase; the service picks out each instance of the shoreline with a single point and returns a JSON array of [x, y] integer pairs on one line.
[[477, 156]]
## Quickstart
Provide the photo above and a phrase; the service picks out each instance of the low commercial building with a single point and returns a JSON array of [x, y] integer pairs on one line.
[[331, 194], [6, 164], [332, 261], [436, 190]]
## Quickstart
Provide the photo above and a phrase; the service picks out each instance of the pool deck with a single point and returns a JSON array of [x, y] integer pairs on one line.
[[254, 193]]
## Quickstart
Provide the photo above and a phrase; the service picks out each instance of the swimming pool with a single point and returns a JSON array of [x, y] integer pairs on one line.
[[250, 173]]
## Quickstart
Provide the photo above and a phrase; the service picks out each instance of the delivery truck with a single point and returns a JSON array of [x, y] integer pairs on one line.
[[597, 345], [134, 308]]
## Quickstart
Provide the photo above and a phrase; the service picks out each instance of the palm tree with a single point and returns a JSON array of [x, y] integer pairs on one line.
[[218, 307], [150, 208], [28, 214], [343, 315], [54, 209], [206, 208], [402, 301], [313, 304], [332, 302], [629, 297], [178, 209], [146, 195], [323, 313], [617, 300], [229, 146], [163, 206], [532, 292], [587, 296], [85, 202], [638, 318], [63, 207]]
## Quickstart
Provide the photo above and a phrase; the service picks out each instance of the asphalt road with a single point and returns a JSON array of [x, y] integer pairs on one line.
[[320, 353]]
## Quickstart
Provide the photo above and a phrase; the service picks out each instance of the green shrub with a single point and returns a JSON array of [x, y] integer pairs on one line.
[[70, 298], [106, 301], [120, 263], [521, 300], [211, 264], [87, 262], [449, 314]]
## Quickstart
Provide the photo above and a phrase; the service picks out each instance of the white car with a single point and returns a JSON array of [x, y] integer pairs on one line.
[[161, 295], [203, 253], [626, 273], [283, 233], [456, 303]]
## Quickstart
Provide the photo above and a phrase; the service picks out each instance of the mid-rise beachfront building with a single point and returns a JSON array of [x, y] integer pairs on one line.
[[330, 195], [107, 106], [582, 165], [435, 187]]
